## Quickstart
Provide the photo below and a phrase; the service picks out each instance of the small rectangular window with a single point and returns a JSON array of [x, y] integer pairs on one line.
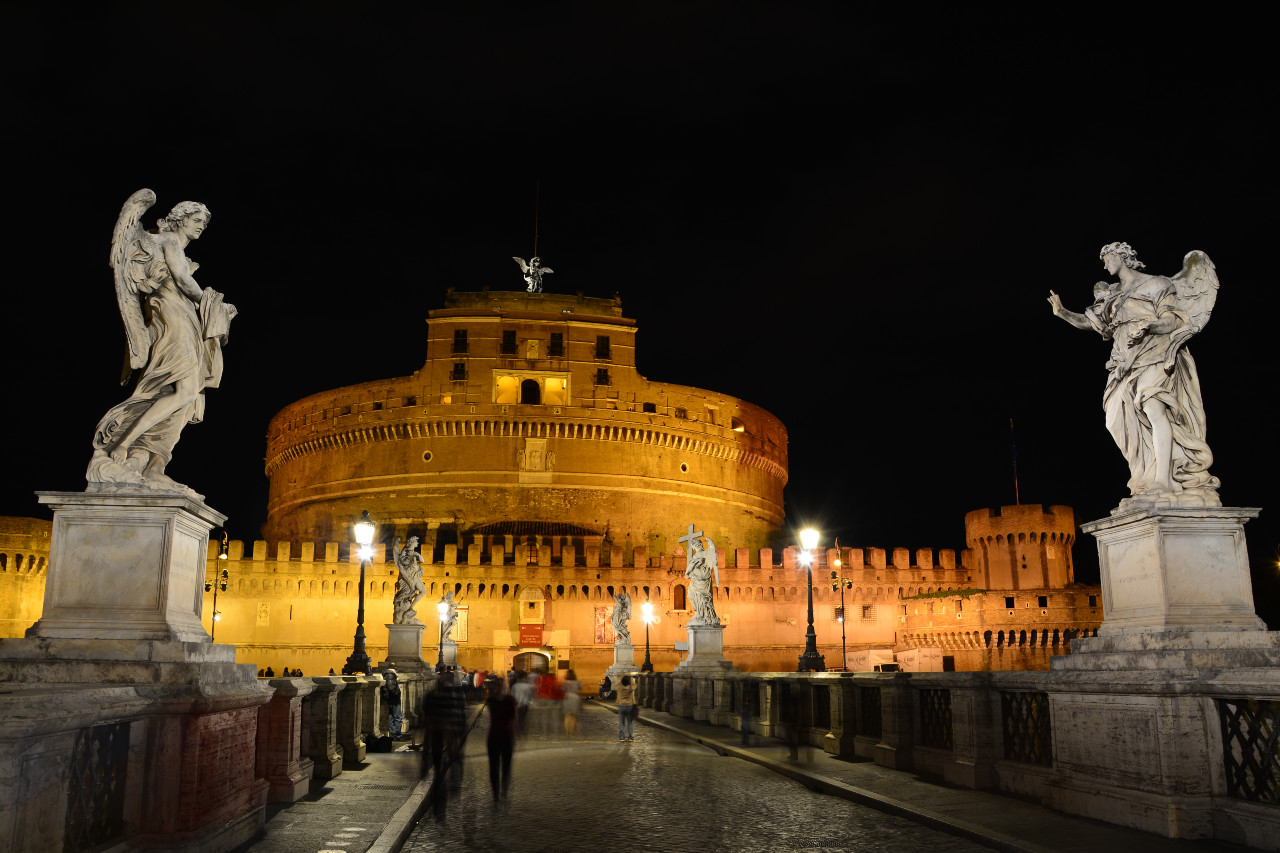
[[839, 614], [377, 407], [868, 611], [1008, 601], [681, 413], [556, 348], [459, 341], [602, 376], [1093, 601], [459, 371], [602, 346], [649, 407], [959, 604], [1044, 601], [509, 343]]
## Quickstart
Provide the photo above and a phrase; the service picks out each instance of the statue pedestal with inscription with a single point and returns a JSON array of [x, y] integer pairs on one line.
[[1146, 716], [624, 663], [449, 653], [706, 651]]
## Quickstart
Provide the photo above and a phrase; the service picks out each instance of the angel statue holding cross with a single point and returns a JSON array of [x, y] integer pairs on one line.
[[701, 568]]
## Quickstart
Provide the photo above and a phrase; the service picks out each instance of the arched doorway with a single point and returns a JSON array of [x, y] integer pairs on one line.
[[530, 392], [530, 662]]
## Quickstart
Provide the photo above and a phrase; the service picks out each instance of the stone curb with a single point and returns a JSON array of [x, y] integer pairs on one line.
[[821, 784], [401, 824]]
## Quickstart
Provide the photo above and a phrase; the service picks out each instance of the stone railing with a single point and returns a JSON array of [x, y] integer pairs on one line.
[[1020, 733]]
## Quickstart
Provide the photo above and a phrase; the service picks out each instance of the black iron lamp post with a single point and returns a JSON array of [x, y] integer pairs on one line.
[[810, 661], [839, 581], [443, 610], [647, 610], [219, 583], [358, 661]]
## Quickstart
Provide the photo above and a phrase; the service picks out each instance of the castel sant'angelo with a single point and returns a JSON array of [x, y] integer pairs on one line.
[[542, 474]]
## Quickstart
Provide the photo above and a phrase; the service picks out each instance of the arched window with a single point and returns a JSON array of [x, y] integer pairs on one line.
[[530, 392], [681, 604]]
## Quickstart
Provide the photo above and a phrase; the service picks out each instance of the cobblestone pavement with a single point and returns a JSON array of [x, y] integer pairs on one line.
[[661, 792]]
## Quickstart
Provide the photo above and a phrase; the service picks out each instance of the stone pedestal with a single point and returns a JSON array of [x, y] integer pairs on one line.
[[404, 649], [706, 652], [624, 663], [281, 751], [321, 708], [449, 652], [126, 567]]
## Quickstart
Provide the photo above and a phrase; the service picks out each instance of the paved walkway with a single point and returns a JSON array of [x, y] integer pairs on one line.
[[680, 786]]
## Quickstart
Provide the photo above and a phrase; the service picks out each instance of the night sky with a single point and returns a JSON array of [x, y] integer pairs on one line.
[[851, 221]]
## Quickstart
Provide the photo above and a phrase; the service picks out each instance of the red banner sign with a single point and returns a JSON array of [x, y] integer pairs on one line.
[[530, 635]]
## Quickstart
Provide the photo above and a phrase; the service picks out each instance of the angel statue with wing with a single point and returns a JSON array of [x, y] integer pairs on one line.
[[701, 567], [533, 273], [621, 613], [1152, 401], [175, 331], [409, 586]]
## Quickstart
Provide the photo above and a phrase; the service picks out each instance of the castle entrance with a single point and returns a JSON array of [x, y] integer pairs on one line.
[[531, 662]]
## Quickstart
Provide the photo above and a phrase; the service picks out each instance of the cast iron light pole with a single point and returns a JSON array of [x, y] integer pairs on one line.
[[443, 610], [647, 610], [358, 661], [219, 582], [843, 583], [810, 661]]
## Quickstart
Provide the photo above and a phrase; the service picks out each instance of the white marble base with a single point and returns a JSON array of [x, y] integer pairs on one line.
[[126, 567], [1175, 569], [449, 653], [706, 651], [624, 662], [404, 649]]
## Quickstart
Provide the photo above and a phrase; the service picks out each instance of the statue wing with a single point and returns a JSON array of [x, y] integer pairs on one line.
[[547, 270], [131, 250], [1196, 289], [710, 554], [524, 268]]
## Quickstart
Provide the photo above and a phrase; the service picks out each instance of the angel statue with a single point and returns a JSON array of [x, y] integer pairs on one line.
[[619, 617], [450, 615], [1152, 401], [701, 567], [533, 273], [409, 586], [175, 331]]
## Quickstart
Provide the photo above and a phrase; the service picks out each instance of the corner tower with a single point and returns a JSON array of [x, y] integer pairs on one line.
[[1027, 546], [528, 419]]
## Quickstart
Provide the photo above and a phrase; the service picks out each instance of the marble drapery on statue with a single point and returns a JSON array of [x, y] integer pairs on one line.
[[175, 332], [409, 586], [1153, 406], [450, 615], [619, 617], [702, 569]]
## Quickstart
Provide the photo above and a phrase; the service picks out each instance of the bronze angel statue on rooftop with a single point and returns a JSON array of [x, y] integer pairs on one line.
[[533, 273], [1152, 400], [175, 331]]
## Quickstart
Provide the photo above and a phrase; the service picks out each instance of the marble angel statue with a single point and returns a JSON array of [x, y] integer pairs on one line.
[[1152, 400], [409, 586], [533, 273], [175, 331], [701, 568], [450, 615], [619, 617]]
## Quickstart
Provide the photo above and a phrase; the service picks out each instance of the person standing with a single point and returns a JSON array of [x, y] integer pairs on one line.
[[502, 738], [572, 703], [391, 695], [626, 698]]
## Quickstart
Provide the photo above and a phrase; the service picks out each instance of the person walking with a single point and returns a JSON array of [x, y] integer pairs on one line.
[[502, 738], [626, 700]]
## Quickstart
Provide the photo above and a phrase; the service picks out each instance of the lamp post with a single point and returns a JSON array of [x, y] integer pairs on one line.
[[219, 582], [810, 661], [359, 661], [443, 610], [842, 583], [646, 610]]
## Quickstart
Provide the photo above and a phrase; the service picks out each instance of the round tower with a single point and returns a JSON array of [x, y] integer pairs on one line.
[[528, 422], [1027, 546]]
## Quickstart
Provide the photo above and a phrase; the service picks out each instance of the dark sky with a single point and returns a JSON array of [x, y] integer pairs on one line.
[[853, 222]]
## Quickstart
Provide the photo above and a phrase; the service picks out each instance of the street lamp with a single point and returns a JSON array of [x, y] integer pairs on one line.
[[443, 609], [839, 581], [646, 610], [219, 583], [810, 661], [359, 661]]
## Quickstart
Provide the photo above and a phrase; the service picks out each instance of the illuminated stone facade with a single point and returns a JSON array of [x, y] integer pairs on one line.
[[528, 420]]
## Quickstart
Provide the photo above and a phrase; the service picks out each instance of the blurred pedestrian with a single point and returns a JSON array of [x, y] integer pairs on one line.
[[391, 695], [626, 700], [502, 737], [446, 715], [572, 703], [523, 693]]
